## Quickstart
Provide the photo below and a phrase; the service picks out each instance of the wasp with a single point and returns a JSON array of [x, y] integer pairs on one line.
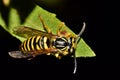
[[40, 42]]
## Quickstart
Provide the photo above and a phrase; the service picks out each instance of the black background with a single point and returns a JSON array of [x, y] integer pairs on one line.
[[99, 35]]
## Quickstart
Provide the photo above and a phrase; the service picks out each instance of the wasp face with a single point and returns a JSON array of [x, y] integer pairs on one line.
[[65, 45], [71, 45]]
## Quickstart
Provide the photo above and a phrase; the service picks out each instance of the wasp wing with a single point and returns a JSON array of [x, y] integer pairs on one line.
[[19, 54], [27, 32]]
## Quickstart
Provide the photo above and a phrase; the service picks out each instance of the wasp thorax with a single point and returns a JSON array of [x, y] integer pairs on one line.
[[64, 44], [60, 43]]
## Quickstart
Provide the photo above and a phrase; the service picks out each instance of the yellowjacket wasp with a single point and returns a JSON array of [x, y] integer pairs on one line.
[[39, 42]]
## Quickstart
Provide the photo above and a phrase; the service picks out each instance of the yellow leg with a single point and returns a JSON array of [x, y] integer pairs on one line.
[[68, 35], [62, 33], [44, 26], [57, 56], [60, 27], [48, 53]]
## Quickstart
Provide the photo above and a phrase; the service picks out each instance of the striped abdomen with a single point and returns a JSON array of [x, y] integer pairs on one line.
[[35, 43]]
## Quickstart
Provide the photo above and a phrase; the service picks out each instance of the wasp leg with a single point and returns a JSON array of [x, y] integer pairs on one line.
[[44, 26], [48, 53], [57, 55], [63, 32], [59, 32], [68, 35]]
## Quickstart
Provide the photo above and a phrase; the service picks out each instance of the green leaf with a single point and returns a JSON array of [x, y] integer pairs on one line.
[[33, 21]]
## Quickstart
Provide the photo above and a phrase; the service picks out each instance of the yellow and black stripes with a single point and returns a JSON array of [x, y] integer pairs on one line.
[[35, 43]]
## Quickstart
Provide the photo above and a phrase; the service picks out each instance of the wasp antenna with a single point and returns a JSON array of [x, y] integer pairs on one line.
[[75, 63], [81, 32]]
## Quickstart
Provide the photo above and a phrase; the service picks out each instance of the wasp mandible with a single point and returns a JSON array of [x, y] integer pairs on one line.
[[39, 42]]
